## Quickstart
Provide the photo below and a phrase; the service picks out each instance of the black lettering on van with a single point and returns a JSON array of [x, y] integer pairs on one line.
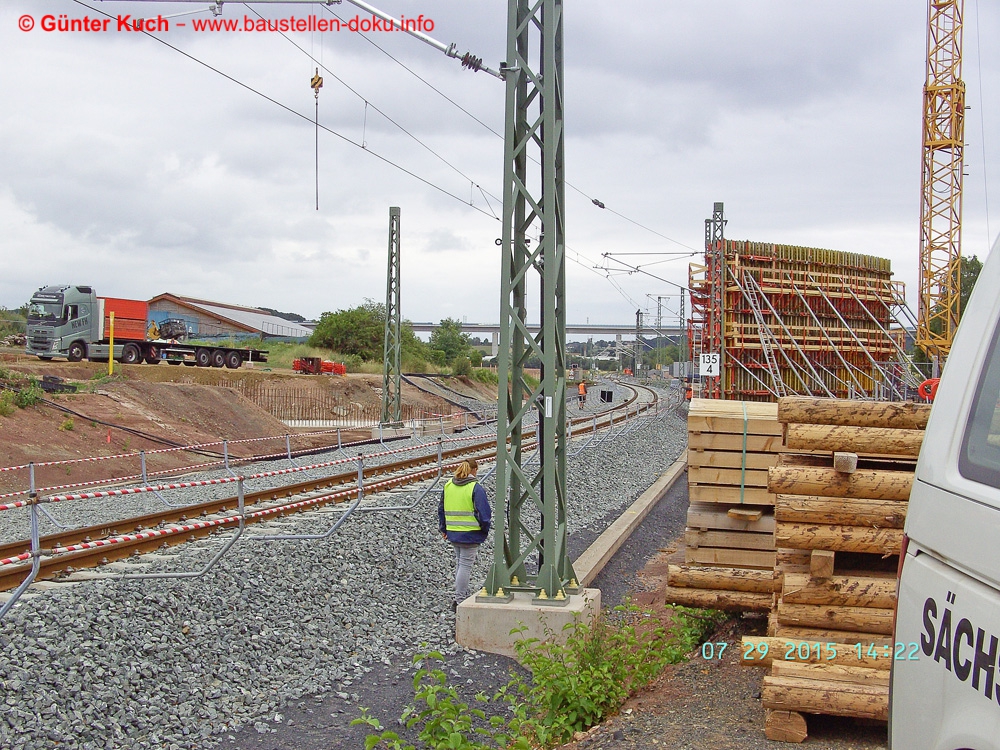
[[927, 639], [964, 628], [943, 650], [985, 662]]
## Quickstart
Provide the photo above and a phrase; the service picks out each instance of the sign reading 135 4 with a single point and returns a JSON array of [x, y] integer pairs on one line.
[[709, 365]]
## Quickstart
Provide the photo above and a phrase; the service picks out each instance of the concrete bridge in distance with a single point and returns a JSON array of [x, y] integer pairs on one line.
[[618, 330]]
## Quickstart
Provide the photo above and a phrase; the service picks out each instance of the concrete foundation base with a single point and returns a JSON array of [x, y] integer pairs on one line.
[[390, 432], [432, 427], [487, 626]]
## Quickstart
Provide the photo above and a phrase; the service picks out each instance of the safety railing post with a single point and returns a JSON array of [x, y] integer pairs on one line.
[[288, 446], [36, 555], [361, 476], [142, 466], [225, 454]]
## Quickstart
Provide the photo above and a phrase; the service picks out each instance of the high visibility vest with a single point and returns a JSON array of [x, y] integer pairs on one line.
[[459, 508]]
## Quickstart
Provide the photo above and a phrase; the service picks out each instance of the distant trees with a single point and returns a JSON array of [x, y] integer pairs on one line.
[[360, 332]]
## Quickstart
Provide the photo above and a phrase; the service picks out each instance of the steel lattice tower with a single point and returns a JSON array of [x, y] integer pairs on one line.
[[533, 199], [391, 396], [716, 262], [941, 180]]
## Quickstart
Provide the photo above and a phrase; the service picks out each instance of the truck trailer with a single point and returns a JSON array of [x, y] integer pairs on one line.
[[73, 322]]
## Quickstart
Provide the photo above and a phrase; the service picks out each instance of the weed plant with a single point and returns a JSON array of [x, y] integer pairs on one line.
[[7, 406], [573, 685]]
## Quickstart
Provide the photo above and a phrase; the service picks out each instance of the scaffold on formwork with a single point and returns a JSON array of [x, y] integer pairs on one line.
[[801, 320]]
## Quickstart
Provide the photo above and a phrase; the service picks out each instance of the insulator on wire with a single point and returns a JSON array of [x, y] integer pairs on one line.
[[472, 62]]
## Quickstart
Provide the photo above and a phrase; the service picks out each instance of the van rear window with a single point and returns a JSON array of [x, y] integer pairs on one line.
[[980, 456]]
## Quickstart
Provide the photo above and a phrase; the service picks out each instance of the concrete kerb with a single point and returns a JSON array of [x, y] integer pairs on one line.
[[487, 627]]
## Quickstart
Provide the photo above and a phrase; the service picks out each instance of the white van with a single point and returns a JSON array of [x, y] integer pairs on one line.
[[945, 689]]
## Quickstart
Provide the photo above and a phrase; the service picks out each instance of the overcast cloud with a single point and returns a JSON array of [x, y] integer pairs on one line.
[[126, 165]]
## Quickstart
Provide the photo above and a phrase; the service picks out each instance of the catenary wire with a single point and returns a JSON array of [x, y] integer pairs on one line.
[[297, 114]]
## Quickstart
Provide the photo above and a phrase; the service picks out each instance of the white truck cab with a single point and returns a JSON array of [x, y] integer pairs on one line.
[[945, 692]]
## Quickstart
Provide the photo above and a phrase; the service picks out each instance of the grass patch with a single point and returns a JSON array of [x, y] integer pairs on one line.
[[573, 686], [7, 406], [485, 376], [67, 425]]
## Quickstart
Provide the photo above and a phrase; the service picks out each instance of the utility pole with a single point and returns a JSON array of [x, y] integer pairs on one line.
[[391, 396], [637, 349], [716, 261], [535, 498]]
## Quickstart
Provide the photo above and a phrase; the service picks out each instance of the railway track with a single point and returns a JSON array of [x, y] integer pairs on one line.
[[67, 551]]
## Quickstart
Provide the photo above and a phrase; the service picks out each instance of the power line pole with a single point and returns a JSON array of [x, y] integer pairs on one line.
[[716, 261], [391, 396], [534, 125]]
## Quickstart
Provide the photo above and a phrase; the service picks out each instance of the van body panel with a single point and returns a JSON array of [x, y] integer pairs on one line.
[[942, 710], [939, 523], [949, 588]]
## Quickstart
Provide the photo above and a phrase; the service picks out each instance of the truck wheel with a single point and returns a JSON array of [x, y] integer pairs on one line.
[[152, 356], [233, 360], [131, 355], [77, 351], [203, 358], [218, 358]]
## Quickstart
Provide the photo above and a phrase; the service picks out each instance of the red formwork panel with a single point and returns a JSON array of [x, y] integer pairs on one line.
[[130, 318]]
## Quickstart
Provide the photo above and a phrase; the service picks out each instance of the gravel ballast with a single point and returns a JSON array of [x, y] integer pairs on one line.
[[182, 663]]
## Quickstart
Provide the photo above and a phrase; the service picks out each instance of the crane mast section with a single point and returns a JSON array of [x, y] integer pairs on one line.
[[941, 180]]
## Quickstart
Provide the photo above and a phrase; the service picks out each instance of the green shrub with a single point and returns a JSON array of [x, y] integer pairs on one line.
[[67, 425], [461, 366], [7, 406], [573, 686], [29, 395]]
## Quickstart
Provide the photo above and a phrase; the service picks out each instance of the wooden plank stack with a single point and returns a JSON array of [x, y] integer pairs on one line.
[[729, 553], [839, 517]]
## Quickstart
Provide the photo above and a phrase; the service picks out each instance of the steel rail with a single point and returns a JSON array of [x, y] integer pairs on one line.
[[146, 533]]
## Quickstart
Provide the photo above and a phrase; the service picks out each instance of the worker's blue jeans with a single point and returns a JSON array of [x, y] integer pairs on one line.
[[465, 558]]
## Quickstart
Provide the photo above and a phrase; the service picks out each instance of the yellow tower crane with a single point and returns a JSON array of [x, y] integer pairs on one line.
[[941, 182]]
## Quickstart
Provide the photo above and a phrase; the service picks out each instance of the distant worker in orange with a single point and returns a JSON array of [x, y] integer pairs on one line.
[[582, 391]]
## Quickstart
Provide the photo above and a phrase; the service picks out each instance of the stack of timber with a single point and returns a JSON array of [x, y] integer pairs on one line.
[[729, 542], [839, 516]]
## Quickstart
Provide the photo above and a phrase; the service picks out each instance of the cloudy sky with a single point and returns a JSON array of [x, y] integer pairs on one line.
[[134, 167]]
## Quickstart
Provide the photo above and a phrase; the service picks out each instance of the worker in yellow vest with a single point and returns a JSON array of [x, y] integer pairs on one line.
[[464, 520]]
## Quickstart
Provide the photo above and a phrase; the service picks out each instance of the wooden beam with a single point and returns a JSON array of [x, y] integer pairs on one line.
[[729, 539], [846, 511], [871, 483], [733, 425], [785, 726], [873, 440], [727, 442], [729, 601], [758, 651], [739, 518], [793, 633], [897, 414], [845, 463], [731, 459], [835, 617], [837, 538], [851, 591], [714, 493], [850, 673], [826, 697], [742, 558], [725, 579], [731, 477], [821, 563]]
